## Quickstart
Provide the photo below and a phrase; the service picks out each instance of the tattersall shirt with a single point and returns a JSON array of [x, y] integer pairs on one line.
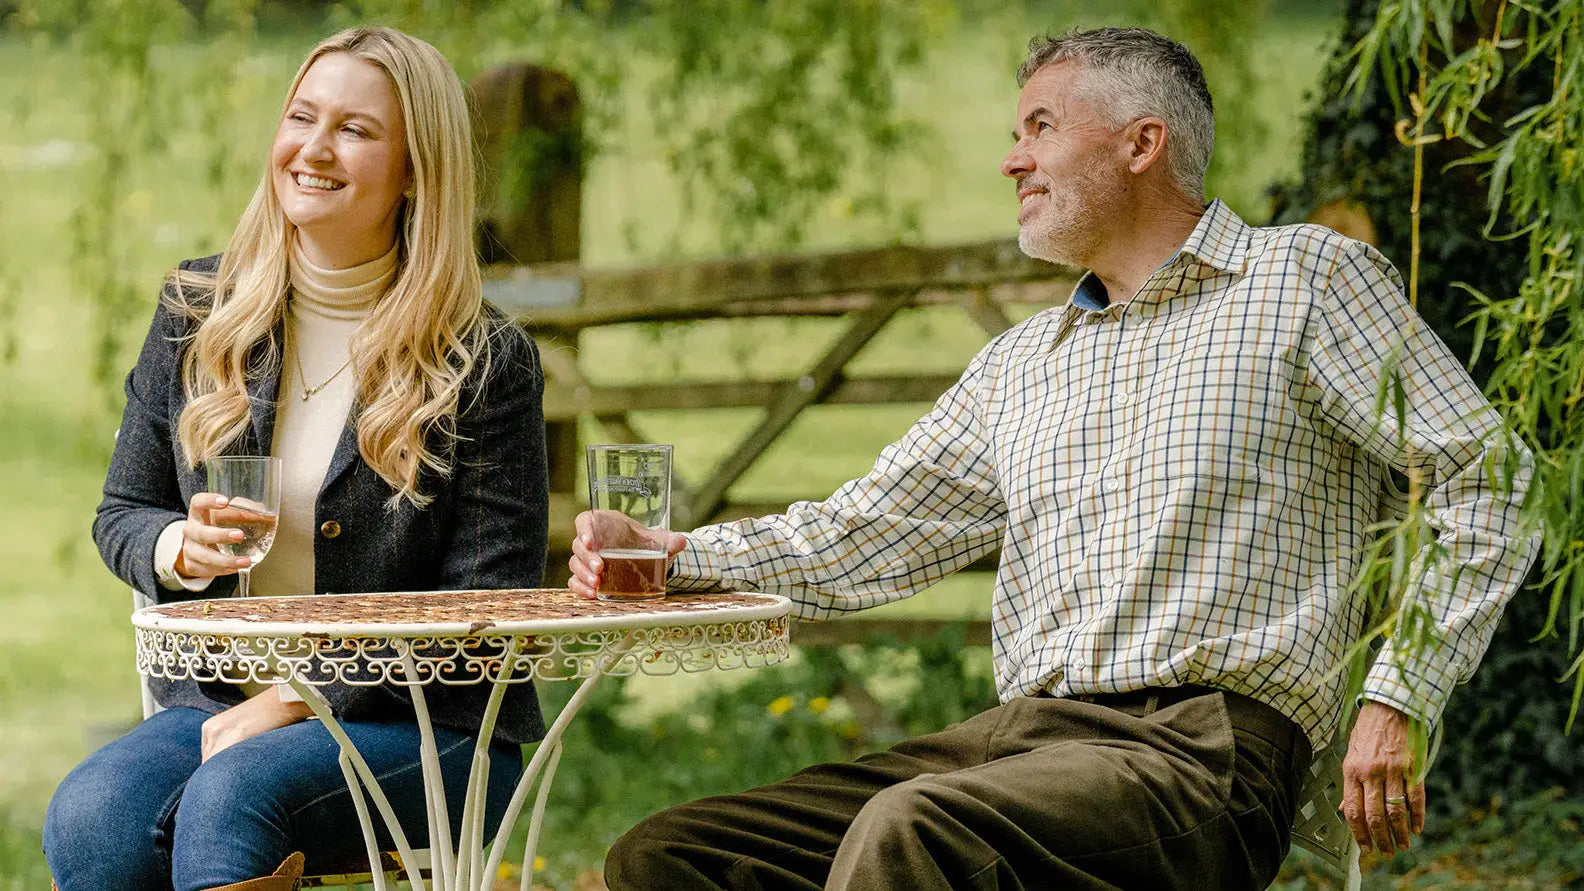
[[1182, 486]]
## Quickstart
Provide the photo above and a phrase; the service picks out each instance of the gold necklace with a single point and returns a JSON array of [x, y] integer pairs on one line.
[[302, 376]]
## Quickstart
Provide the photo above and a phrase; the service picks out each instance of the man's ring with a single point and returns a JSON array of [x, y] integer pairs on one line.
[[1392, 799]]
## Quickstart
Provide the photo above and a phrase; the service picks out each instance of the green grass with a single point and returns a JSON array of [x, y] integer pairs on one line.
[[66, 679]]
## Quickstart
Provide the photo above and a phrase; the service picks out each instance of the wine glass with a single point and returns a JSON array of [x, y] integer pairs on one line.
[[252, 486]]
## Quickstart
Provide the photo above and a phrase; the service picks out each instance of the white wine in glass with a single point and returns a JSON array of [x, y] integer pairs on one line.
[[252, 486]]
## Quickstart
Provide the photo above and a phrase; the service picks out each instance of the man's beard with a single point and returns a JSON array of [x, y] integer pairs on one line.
[[1050, 238], [1075, 222]]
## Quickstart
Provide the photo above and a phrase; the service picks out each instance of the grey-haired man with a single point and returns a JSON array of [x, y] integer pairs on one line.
[[1180, 467]]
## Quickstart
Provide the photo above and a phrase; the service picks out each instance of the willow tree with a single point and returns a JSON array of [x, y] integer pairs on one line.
[[1448, 132]]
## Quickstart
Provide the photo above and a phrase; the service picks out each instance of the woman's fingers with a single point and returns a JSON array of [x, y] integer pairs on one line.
[[200, 558], [203, 533], [203, 502], [202, 561]]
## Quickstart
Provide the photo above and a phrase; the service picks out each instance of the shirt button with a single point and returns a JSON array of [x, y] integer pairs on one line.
[[1123, 398], [1111, 484], [1078, 664], [330, 529]]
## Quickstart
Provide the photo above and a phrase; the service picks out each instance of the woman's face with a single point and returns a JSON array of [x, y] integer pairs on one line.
[[339, 163]]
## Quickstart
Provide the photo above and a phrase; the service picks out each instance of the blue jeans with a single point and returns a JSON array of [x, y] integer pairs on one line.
[[143, 813]]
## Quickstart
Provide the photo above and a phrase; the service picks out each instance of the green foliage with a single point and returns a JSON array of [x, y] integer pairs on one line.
[[767, 131], [1496, 116]]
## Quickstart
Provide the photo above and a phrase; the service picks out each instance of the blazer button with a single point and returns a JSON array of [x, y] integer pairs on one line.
[[330, 529]]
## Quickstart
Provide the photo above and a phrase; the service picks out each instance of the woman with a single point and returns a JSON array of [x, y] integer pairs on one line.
[[343, 330]]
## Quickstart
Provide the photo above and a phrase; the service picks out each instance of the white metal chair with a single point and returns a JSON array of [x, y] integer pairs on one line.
[[390, 861], [1317, 827]]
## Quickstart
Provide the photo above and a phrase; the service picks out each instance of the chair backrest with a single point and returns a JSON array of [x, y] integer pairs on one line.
[[1318, 826]]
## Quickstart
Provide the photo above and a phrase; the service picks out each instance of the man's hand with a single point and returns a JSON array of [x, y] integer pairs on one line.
[[1378, 803], [598, 529], [260, 714]]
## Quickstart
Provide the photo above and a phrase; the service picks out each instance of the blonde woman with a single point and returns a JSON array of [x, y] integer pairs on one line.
[[343, 330]]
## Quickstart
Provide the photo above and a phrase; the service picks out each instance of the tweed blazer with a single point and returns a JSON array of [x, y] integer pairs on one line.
[[485, 528]]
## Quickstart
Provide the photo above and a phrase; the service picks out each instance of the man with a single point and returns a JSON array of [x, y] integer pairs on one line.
[[1180, 466]]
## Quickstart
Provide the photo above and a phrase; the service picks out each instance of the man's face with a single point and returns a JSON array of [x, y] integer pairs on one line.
[[1070, 168]]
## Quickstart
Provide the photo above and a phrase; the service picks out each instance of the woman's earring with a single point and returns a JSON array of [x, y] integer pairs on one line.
[[410, 193]]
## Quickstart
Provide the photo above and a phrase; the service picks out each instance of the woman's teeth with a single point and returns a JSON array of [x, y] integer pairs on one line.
[[316, 182]]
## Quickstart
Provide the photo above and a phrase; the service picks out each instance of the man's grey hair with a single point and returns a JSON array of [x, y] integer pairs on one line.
[[1133, 73]]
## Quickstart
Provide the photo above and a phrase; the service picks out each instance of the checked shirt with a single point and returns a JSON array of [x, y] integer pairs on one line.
[[1182, 486]]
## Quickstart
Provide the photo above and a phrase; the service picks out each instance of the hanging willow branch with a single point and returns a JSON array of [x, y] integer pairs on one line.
[[1534, 335]]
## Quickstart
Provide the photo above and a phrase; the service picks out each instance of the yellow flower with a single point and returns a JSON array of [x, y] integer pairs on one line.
[[780, 706], [539, 863], [818, 705]]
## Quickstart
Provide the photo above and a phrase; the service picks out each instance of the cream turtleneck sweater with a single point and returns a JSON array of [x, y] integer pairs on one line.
[[324, 309]]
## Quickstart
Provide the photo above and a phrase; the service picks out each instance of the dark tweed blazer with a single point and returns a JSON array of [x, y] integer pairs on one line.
[[485, 528]]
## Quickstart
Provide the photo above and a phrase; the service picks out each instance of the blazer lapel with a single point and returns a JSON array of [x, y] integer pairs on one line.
[[346, 451]]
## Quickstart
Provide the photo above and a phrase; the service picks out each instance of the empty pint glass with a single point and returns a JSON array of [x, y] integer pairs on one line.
[[635, 481]]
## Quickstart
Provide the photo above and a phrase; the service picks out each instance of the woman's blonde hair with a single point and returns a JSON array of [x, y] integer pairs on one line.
[[429, 332]]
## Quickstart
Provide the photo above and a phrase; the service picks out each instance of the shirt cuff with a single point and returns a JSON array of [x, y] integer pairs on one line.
[[696, 568], [166, 549], [1415, 683]]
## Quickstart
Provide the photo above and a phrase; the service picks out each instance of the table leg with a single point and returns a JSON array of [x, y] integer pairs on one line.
[[470, 841], [361, 806], [536, 822], [551, 742], [443, 855], [321, 709]]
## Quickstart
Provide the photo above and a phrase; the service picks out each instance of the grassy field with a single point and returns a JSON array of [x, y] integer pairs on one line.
[[66, 679]]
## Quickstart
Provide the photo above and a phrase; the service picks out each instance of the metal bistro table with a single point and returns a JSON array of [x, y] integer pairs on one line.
[[454, 637]]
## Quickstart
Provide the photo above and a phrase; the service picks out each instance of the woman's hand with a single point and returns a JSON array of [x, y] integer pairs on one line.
[[598, 529], [260, 714], [198, 557]]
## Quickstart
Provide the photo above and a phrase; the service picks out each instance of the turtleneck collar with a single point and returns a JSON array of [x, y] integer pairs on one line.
[[340, 293]]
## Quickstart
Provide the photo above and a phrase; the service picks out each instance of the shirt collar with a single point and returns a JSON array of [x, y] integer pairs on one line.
[[1220, 239]]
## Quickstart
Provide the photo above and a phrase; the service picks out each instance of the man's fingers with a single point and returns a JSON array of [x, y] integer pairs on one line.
[[675, 543], [584, 580], [1416, 807], [1353, 812], [1396, 799], [1375, 817], [584, 537]]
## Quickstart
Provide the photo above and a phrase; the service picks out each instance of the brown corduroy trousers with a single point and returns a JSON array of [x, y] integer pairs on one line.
[[1176, 788]]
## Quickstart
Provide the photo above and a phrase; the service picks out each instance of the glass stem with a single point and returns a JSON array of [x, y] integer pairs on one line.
[[242, 581]]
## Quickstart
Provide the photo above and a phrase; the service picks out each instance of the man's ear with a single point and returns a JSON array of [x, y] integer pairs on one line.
[[1146, 144]]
